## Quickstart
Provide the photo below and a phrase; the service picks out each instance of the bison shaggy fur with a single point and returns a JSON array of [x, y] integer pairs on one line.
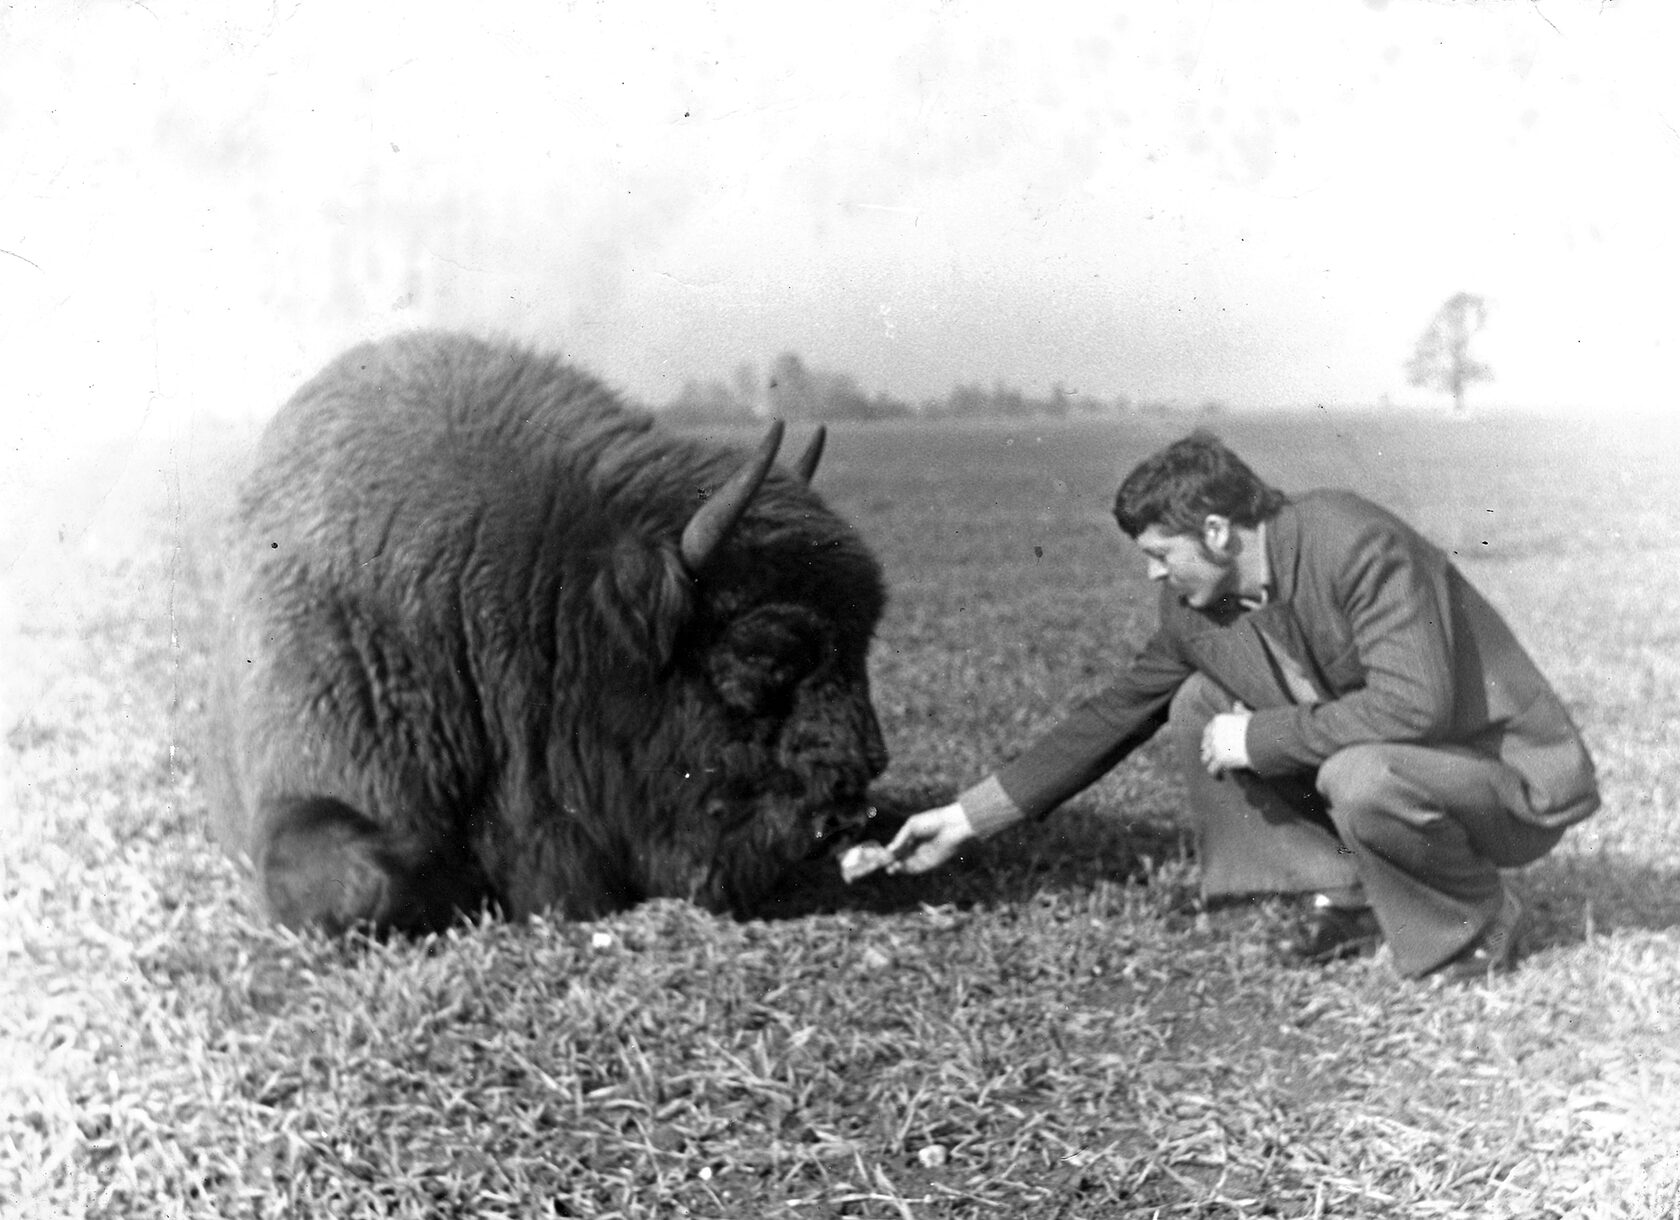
[[470, 657]]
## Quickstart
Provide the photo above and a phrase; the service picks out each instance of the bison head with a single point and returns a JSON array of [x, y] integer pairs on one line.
[[732, 724]]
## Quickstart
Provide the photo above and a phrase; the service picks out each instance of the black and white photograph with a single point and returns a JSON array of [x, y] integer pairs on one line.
[[916, 611]]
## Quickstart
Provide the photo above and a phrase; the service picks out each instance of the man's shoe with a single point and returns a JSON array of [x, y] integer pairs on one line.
[[1328, 932], [1493, 950]]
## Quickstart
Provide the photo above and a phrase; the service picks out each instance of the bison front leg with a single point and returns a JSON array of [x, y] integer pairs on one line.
[[322, 864]]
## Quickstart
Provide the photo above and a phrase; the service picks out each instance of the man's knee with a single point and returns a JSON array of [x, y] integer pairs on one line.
[[1358, 778], [1376, 802]]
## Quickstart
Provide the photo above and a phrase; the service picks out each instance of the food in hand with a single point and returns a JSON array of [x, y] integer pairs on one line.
[[863, 859]]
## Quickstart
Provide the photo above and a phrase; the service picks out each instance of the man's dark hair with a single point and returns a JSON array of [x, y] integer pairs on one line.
[[1179, 486]]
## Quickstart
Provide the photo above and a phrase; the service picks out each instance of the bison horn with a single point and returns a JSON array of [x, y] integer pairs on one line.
[[713, 520], [806, 466]]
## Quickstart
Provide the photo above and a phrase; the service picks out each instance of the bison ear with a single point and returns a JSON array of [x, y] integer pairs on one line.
[[643, 597], [711, 524], [806, 466]]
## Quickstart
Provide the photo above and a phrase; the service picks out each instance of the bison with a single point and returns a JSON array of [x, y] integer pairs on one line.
[[493, 638]]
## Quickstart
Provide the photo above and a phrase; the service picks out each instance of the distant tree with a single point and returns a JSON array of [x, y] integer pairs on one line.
[[838, 396], [706, 402], [885, 406], [796, 390], [747, 386], [968, 400], [965, 400], [1442, 360], [1008, 401], [792, 391]]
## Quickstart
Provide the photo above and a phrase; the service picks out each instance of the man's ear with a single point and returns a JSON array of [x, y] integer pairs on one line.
[[1217, 534]]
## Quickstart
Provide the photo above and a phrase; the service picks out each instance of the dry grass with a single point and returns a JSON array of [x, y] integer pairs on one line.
[[1043, 1030]]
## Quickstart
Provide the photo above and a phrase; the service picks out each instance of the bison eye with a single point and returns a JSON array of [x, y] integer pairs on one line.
[[764, 655]]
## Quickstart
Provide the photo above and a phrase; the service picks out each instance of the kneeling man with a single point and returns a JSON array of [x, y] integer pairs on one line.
[[1357, 724]]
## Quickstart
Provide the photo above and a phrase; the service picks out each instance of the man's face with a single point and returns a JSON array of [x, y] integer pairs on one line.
[[1197, 567]]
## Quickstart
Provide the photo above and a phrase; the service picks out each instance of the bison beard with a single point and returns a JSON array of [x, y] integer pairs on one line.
[[485, 644]]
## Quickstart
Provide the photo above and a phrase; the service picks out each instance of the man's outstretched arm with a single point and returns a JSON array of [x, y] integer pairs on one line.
[[932, 838]]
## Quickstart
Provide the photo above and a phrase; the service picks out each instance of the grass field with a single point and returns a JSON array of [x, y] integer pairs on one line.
[[1047, 1029]]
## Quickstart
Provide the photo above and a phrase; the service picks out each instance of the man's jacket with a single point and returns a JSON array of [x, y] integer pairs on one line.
[[1369, 634]]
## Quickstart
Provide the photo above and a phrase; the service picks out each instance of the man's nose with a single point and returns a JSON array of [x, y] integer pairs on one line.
[[1157, 570]]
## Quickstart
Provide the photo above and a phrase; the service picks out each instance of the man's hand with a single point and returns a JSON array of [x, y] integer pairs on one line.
[[929, 839], [1225, 741]]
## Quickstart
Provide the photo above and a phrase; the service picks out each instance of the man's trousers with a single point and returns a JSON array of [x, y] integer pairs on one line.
[[1423, 829]]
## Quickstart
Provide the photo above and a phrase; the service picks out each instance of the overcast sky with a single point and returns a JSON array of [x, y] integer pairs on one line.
[[1261, 203]]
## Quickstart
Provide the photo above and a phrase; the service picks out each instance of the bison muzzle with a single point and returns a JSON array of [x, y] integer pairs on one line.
[[494, 638]]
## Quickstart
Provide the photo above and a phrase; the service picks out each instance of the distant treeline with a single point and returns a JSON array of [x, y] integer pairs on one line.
[[794, 390]]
